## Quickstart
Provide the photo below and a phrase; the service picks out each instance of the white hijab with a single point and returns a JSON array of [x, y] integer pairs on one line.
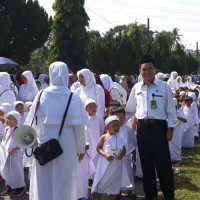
[[89, 77], [160, 76], [27, 92], [107, 82], [43, 83], [54, 100], [8, 96]]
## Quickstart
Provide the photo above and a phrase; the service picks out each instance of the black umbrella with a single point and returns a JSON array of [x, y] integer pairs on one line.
[[7, 63]]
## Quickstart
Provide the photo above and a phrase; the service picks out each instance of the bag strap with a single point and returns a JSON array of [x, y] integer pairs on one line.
[[4, 92], [35, 116], [65, 114]]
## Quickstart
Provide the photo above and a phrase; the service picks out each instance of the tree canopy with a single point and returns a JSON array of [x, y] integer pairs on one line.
[[25, 26]]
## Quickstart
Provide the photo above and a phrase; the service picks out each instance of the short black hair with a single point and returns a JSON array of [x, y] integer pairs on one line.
[[115, 103], [146, 59], [117, 110]]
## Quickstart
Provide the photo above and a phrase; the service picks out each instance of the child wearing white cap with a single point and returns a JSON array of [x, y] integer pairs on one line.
[[111, 149], [86, 168], [20, 107], [12, 172]]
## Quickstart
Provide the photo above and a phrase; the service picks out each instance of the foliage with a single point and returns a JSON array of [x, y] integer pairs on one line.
[[69, 33], [24, 27]]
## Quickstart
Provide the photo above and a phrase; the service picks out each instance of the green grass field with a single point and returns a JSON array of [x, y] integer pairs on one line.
[[187, 174]]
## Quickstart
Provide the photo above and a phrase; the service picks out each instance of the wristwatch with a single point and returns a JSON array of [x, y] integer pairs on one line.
[[172, 128]]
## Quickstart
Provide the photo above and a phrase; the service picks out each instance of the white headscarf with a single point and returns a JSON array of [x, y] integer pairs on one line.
[[43, 83], [107, 82], [8, 96], [110, 119], [160, 76], [54, 100], [18, 102], [172, 81], [5, 81], [27, 92], [89, 77]]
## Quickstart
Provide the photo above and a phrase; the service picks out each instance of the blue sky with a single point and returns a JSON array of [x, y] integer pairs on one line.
[[163, 14]]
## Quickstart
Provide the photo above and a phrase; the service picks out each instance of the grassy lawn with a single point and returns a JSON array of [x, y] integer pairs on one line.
[[187, 174]]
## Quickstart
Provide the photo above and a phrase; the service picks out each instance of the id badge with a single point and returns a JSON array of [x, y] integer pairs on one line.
[[153, 105], [114, 152]]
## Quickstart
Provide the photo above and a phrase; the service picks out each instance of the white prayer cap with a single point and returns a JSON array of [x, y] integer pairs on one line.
[[88, 101], [175, 101], [18, 102], [192, 94], [181, 93], [2, 109], [15, 114], [110, 119]]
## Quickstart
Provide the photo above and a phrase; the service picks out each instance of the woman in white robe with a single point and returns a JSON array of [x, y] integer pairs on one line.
[[28, 90], [42, 78], [6, 94], [189, 82], [172, 81], [112, 88], [57, 179], [90, 90]]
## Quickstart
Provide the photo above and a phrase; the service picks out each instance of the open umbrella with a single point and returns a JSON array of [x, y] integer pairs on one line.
[[7, 63]]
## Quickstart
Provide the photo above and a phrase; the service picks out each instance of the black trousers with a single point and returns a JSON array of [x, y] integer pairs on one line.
[[154, 154]]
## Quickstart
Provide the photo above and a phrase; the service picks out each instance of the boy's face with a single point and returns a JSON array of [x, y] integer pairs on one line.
[[19, 108], [91, 109], [1, 113], [113, 127], [11, 121], [188, 103], [122, 118]]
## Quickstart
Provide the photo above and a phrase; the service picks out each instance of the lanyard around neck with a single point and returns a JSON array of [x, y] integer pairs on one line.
[[10, 134], [111, 144]]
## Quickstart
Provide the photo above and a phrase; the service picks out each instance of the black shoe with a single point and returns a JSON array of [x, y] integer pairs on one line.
[[137, 179], [17, 193], [7, 191]]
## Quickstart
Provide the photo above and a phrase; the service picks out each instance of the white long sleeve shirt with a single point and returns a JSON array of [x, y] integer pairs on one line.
[[140, 102]]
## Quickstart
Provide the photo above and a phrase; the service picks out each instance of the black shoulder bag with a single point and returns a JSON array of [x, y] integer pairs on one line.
[[51, 149]]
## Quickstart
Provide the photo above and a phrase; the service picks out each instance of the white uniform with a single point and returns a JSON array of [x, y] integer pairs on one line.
[[95, 131], [108, 176], [57, 179], [190, 129], [13, 172], [176, 142]]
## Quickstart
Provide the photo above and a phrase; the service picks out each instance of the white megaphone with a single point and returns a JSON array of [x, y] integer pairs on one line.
[[25, 137]]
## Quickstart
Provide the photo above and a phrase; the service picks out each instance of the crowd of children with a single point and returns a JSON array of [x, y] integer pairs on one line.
[[111, 144]]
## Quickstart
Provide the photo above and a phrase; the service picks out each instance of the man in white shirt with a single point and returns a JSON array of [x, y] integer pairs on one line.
[[152, 103]]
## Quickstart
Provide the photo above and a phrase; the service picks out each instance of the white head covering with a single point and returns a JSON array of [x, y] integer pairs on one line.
[[88, 101], [27, 92], [193, 95], [160, 76], [7, 106], [89, 77], [5, 81], [173, 75], [17, 103], [15, 114], [181, 93], [43, 83], [110, 119], [59, 74], [3, 109], [107, 82]]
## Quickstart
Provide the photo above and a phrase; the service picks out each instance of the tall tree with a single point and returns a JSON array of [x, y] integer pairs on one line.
[[69, 33], [25, 26]]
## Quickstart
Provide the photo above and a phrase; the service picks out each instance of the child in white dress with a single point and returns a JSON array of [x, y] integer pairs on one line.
[[111, 149], [12, 172]]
